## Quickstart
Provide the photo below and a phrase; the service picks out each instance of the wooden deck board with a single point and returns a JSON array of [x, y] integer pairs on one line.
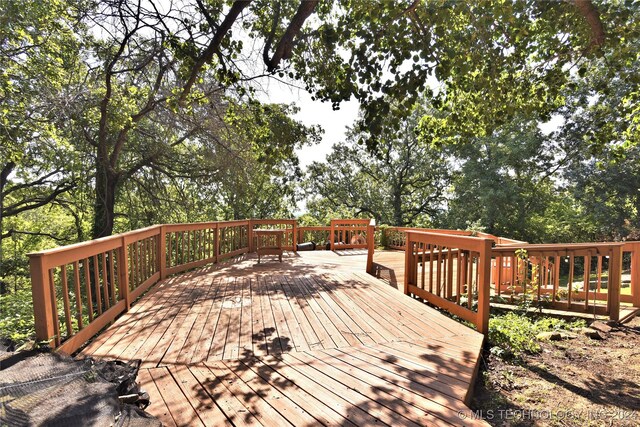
[[310, 341]]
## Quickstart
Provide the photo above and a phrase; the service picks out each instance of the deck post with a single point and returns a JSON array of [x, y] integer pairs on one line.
[[635, 273], [613, 285], [408, 249], [43, 304], [162, 252], [123, 272], [332, 236], [371, 245], [294, 236], [484, 287], [250, 227]]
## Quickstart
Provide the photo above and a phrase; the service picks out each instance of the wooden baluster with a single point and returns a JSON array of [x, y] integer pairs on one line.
[[439, 272], [134, 265], [587, 280], [570, 284], [498, 276], [424, 269], [96, 280], [449, 292], [112, 259], [458, 274], [87, 285], [76, 285], [65, 299], [54, 310], [470, 263], [556, 277], [598, 276], [430, 268], [105, 281]]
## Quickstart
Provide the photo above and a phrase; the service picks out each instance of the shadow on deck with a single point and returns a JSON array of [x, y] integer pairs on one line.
[[312, 340]]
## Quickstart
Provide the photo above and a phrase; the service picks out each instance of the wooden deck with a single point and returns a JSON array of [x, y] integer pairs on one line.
[[312, 340]]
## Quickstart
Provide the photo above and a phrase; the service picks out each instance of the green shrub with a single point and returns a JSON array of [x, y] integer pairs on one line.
[[16, 316], [514, 334]]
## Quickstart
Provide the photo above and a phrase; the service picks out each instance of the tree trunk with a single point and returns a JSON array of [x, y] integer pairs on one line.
[[104, 208], [398, 219]]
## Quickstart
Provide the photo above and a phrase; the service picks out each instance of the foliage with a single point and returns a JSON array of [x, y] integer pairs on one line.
[[402, 184], [514, 333], [16, 316]]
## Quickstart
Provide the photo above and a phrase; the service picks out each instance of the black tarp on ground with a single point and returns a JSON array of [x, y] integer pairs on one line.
[[47, 389]]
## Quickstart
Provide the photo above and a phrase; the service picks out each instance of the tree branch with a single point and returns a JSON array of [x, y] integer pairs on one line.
[[213, 47], [286, 43]]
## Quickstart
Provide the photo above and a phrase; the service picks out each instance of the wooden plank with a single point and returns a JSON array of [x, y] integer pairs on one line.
[[283, 335], [374, 329], [324, 314], [421, 314], [147, 348], [253, 401], [283, 380], [126, 328], [219, 339], [344, 385], [212, 321], [124, 323], [344, 325], [402, 406], [298, 373], [181, 410], [293, 296], [232, 306], [196, 333], [233, 408], [187, 318], [305, 301], [208, 411], [434, 401], [157, 407], [278, 400], [246, 322], [270, 331]]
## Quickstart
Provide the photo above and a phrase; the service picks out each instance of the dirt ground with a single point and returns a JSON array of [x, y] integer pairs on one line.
[[573, 382]]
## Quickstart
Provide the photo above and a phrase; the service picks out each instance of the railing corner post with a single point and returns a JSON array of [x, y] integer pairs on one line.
[[613, 287], [43, 304], [294, 236], [250, 245], [408, 249], [371, 246], [123, 271], [635, 274], [162, 252], [484, 287]]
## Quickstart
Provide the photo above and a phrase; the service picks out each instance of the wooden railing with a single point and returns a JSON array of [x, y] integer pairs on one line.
[[584, 277], [395, 237], [350, 234], [320, 235], [451, 272], [80, 289]]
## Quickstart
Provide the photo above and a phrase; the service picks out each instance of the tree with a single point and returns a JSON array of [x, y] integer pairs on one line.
[[495, 60], [402, 185], [38, 54]]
